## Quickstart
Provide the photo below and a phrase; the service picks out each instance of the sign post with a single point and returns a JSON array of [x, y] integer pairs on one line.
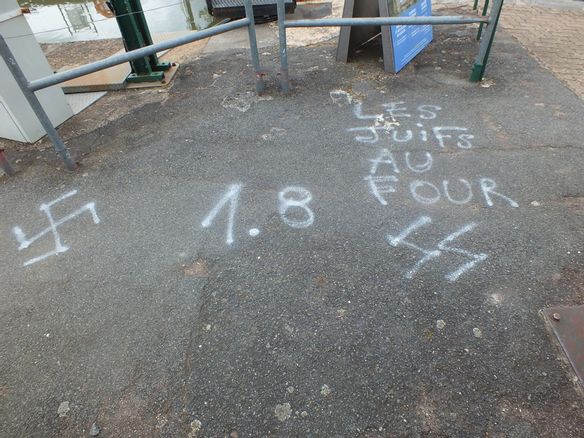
[[400, 44]]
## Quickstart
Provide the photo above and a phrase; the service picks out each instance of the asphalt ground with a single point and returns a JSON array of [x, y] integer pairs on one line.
[[330, 309]]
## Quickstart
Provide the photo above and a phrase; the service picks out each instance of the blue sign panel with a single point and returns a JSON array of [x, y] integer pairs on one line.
[[408, 41]]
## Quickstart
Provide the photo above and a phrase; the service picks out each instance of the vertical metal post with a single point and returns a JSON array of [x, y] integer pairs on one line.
[[478, 69], [284, 77], [475, 5], [6, 165], [135, 35], [253, 46], [485, 8], [35, 105]]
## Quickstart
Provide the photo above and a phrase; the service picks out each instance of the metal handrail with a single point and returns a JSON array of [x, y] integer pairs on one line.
[[28, 88], [478, 67], [386, 21], [121, 58]]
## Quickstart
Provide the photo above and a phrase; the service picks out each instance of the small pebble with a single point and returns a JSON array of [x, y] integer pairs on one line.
[[325, 390], [283, 412], [94, 430], [477, 332], [195, 429], [63, 409], [440, 324]]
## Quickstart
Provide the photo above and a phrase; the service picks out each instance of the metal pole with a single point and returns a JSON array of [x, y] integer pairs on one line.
[[478, 69], [136, 34], [6, 165], [284, 77], [475, 5], [485, 9], [253, 46], [388, 21], [102, 64], [35, 105]]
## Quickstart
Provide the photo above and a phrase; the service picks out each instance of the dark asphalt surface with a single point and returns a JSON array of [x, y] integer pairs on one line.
[[151, 325]]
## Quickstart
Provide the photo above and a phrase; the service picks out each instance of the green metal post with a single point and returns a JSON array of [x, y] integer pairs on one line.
[[478, 69], [485, 8], [135, 33], [475, 5]]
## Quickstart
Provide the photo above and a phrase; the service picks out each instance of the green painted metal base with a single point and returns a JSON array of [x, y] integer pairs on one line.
[[163, 66], [477, 73], [155, 76], [136, 35]]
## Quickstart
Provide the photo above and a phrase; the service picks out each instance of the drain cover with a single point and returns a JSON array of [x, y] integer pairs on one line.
[[568, 325]]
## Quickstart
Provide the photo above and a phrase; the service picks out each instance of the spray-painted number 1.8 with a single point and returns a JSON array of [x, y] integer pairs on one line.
[[290, 199]]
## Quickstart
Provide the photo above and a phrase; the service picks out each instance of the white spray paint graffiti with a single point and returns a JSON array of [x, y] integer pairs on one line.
[[379, 124], [488, 187], [395, 111], [378, 185], [382, 184], [295, 208], [423, 133], [384, 172], [388, 172], [463, 140], [384, 157], [427, 193], [371, 130], [290, 197], [419, 168], [396, 135], [424, 199], [428, 112], [441, 247], [358, 112], [466, 200], [53, 228], [231, 197], [341, 97], [402, 138], [398, 110], [457, 192], [287, 202]]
